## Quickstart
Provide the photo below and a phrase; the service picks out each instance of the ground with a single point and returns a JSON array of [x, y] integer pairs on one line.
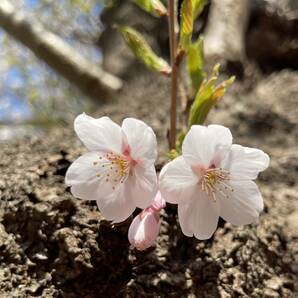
[[53, 245]]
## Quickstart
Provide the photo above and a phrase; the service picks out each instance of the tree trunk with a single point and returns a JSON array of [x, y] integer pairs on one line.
[[60, 56], [225, 32]]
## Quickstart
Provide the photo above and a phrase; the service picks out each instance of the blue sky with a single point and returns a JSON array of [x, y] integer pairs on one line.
[[11, 106], [32, 2]]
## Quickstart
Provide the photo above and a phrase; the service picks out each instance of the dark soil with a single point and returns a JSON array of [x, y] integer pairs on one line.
[[53, 245]]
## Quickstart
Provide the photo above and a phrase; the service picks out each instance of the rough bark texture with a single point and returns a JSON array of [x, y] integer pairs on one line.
[[65, 60], [53, 245], [272, 37]]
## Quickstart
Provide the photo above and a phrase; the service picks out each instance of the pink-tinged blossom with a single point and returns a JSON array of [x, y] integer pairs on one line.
[[118, 171], [213, 178], [158, 202], [144, 228]]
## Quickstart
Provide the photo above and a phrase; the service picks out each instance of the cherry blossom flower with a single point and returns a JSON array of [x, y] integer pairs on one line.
[[213, 178], [144, 229], [119, 171]]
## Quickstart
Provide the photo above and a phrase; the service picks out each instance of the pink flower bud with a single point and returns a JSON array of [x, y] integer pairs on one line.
[[144, 229], [158, 202]]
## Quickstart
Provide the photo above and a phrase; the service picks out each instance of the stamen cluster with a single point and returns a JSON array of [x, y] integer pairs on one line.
[[115, 168], [214, 180]]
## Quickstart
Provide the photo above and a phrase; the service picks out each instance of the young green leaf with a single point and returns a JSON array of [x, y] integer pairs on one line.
[[180, 140], [172, 154], [207, 96], [154, 7], [198, 6], [186, 23], [195, 63], [143, 51]]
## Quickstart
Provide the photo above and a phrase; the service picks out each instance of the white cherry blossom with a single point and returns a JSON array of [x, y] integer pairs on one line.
[[213, 178], [119, 171]]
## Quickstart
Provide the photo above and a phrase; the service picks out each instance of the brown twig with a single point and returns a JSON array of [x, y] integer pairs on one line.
[[174, 74]]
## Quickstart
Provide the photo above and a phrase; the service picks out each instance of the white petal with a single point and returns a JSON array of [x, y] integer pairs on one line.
[[133, 229], [158, 202], [83, 179], [199, 216], [243, 204], [142, 186], [116, 206], [245, 163], [141, 140], [204, 145], [99, 134], [177, 181], [82, 169]]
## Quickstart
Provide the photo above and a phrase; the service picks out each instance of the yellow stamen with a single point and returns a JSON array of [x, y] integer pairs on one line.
[[213, 180], [115, 169]]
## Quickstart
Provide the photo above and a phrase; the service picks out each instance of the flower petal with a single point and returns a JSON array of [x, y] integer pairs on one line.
[[199, 216], [99, 134], [141, 140], [116, 206], [243, 204], [86, 176], [133, 229], [143, 230], [245, 163], [81, 176], [177, 181], [82, 169], [158, 202], [204, 145], [142, 186]]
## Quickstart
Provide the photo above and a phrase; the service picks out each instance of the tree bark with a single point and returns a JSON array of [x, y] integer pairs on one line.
[[60, 56], [225, 32]]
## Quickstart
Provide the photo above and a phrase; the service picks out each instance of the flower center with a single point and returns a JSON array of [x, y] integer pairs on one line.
[[114, 168], [120, 165], [214, 180]]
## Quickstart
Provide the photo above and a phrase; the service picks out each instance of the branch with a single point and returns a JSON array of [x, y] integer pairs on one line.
[[174, 74], [225, 32], [60, 56]]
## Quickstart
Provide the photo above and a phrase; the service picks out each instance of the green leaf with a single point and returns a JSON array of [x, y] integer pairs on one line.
[[83, 5], [195, 63], [207, 96], [172, 154], [198, 6], [180, 140], [186, 23], [143, 51], [154, 7], [221, 89]]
